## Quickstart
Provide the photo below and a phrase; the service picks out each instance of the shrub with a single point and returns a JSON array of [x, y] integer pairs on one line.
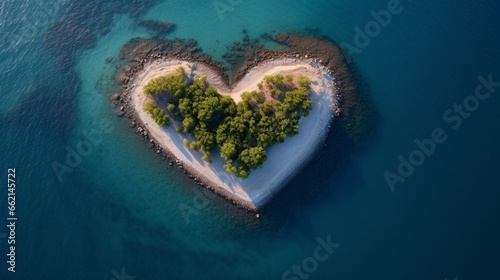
[[160, 117], [304, 82], [171, 107]]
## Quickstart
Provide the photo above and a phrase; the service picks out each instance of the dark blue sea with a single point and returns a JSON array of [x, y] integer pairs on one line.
[[419, 199]]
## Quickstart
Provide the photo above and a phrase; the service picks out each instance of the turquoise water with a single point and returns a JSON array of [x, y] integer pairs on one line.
[[120, 207]]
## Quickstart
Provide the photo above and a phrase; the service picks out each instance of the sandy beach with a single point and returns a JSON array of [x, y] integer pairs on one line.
[[284, 160]]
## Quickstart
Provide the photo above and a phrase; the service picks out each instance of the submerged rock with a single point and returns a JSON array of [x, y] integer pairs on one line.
[[158, 28]]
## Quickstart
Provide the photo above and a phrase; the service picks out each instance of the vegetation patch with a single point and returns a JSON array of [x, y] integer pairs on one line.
[[240, 132]]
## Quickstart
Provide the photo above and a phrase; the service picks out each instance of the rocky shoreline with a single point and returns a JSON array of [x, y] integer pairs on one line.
[[193, 54]]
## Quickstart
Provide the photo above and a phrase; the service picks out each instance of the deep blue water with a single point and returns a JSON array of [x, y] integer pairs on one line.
[[119, 208]]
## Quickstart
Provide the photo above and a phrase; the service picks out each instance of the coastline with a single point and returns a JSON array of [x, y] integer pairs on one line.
[[254, 192]]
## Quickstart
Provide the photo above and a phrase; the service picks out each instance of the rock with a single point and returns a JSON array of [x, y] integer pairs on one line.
[[257, 216], [120, 113], [109, 60], [115, 97]]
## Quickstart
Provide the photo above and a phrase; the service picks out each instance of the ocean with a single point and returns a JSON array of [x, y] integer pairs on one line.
[[392, 208]]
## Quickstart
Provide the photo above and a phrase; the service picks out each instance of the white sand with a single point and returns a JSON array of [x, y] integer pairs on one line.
[[283, 159]]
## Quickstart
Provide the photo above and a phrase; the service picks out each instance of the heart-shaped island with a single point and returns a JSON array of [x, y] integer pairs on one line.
[[247, 148]]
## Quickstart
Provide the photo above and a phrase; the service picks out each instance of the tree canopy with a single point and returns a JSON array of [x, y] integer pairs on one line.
[[241, 132], [156, 113]]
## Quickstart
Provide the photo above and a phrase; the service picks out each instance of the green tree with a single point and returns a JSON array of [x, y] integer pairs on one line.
[[156, 113], [228, 150], [188, 124], [253, 157], [171, 107], [304, 81]]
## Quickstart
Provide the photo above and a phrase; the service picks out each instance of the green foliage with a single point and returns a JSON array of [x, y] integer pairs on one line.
[[160, 117], [149, 106], [188, 124], [171, 107], [297, 100], [174, 84], [228, 150], [304, 82], [276, 93], [244, 174], [242, 131], [206, 157], [278, 80], [194, 146], [254, 156], [181, 70]]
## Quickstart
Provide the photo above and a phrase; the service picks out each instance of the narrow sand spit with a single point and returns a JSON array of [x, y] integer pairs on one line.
[[284, 160]]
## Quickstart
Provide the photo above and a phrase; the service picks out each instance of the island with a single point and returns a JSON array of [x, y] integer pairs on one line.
[[243, 141]]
